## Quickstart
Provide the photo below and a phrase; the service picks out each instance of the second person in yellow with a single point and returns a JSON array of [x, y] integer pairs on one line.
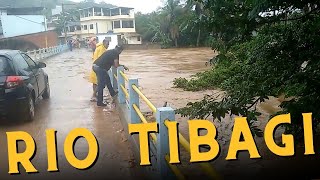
[[100, 49]]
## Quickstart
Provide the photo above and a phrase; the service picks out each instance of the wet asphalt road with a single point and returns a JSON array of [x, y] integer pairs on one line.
[[68, 108]]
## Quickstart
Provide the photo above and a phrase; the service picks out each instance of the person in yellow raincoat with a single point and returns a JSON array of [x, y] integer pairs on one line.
[[100, 49]]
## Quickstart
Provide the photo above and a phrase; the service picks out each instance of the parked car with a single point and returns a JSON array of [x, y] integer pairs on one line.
[[22, 84]]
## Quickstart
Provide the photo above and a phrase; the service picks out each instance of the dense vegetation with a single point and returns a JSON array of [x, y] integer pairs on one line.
[[173, 25], [266, 48]]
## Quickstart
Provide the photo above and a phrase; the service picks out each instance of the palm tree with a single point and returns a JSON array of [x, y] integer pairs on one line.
[[198, 8], [173, 11]]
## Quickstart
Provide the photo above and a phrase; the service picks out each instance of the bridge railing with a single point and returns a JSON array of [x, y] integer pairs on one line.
[[130, 95], [44, 53]]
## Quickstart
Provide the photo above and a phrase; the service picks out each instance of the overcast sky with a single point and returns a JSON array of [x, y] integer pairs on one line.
[[144, 6]]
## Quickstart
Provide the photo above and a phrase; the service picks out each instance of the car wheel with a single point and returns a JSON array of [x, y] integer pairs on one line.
[[29, 115], [46, 94]]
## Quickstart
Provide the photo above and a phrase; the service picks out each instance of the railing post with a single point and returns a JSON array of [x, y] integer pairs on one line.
[[50, 52], [35, 55], [163, 114], [40, 54], [122, 98], [133, 99], [114, 80]]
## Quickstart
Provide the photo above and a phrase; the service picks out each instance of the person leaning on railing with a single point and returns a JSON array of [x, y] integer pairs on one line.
[[101, 66], [101, 48]]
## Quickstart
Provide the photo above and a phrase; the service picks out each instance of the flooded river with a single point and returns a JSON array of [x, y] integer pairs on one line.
[[69, 107], [156, 70]]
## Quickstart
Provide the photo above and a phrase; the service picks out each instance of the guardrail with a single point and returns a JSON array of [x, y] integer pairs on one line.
[[44, 53], [159, 142]]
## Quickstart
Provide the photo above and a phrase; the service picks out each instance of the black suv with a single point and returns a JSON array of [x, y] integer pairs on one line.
[[22, 84]]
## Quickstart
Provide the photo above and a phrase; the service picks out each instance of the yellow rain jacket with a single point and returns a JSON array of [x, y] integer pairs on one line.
[[100, 49]]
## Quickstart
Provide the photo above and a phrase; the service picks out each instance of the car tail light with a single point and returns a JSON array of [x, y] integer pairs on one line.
[[13, 81]]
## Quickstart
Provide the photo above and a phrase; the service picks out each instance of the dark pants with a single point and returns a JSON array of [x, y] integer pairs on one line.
[[70, 47], [103, 80]]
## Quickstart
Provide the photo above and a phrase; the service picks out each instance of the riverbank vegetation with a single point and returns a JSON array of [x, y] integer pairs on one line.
[[176, 24], [266, 48]]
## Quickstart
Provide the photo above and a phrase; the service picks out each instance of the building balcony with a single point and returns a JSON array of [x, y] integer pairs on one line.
[[117, 17], [124, 30], [99, 13], [78, 32]]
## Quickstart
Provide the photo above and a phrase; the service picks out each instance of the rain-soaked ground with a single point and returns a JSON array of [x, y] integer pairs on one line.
[[69, 107]]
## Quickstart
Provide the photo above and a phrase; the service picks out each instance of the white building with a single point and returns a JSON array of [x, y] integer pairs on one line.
[[114, 23], [21, 21], [57, 10]]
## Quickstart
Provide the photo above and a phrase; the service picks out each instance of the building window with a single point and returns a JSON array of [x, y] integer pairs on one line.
[[85, 27], [106, 12], [115, 12], [71, 28], [127, 24], [97, 12], [91, 26], [116, 24], [125, 11]]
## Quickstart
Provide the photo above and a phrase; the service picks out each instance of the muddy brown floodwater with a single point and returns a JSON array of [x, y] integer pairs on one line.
[[156, 70], [69, 107]]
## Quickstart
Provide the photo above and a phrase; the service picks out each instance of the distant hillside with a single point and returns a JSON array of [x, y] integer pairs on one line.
[[49, 4]]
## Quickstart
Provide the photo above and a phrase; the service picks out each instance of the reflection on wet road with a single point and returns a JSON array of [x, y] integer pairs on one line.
[[68, 108]]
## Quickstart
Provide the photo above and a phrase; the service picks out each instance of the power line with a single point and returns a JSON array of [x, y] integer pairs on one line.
[[28, 20]]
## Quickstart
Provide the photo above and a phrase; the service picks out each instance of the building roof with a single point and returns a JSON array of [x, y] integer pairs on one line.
[[77, 23], [105, 7], [87, 5]]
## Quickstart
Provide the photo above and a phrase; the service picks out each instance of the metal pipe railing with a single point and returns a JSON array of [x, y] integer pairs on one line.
[[175, 169], [124, 76], [143, 119], [125, 91], [163, 115], [146, 100]]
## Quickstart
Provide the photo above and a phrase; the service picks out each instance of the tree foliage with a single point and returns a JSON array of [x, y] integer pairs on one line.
[[266, 48], [174, 24]]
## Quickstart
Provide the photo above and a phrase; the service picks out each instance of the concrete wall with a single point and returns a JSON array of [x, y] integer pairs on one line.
[[23, 24], [141, 46], [134, 40], [124, 30], [112, 43]]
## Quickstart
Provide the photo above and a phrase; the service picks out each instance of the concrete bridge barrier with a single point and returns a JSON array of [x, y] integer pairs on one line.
[[128, 104], [44, 53]]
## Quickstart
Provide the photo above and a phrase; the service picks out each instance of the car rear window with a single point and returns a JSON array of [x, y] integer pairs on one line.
[[5, 68]]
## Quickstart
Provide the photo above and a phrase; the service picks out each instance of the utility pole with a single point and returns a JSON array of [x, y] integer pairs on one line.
[[65, 20], [64, 23], [44, 22]]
